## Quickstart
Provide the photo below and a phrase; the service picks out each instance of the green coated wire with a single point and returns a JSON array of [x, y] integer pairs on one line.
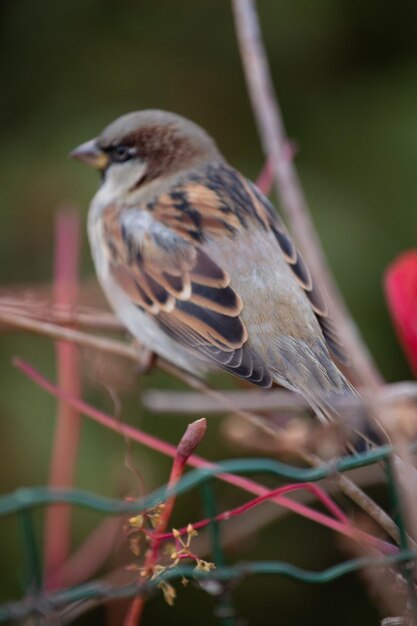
[[224, 607], [23, 500], [33, 566], [103, 591], [27, 498]]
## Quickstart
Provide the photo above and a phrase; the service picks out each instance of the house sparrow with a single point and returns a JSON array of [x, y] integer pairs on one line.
[[198, 265]]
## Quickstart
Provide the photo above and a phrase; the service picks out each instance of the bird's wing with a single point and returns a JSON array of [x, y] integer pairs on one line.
[[300, 270], [220, 202], [155, 255]]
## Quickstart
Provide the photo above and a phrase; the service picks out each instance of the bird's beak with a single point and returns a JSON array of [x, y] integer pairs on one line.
[[91, 154]]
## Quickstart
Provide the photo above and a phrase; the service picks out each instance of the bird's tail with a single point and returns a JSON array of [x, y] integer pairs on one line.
[[311, 372]]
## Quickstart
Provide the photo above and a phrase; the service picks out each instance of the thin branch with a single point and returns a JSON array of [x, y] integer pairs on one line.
[[239, 530], [96, 342], [320, 494], [162, 401], [275, 145], [122, 349], [43, 310]]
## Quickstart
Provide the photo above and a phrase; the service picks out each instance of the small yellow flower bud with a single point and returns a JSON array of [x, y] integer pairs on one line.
[[191, 531], [137, 521]]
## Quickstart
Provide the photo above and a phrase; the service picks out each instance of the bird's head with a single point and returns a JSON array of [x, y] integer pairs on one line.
[[144, 146]]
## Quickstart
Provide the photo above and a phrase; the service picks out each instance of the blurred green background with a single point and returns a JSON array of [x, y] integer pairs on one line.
[[346, 76]]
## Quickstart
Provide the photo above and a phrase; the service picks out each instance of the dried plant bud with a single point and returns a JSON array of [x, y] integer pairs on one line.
[[191, 532], [192, 437], [136, 522], [154, 515], [169, 592], [204, 566]]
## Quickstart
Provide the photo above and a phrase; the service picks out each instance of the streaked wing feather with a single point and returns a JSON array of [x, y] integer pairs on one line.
[[301, 272], [242, 362], [173, 279], [162, 266]]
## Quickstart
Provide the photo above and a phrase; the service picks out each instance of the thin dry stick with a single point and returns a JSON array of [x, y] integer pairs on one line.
[[67, 433], [120, 348], [43, 310], [188, 402], [160, 401], [275, 145], [96, 342], [355, 493]]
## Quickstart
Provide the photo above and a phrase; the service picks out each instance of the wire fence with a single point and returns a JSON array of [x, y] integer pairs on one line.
[[41, 604]]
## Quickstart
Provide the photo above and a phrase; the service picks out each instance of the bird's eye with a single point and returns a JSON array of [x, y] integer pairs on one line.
[[121, 153]]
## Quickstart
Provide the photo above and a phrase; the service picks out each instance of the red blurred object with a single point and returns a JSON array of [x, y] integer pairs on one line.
[[400, 283]]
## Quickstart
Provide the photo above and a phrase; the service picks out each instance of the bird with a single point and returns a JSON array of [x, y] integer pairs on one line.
[[199, 266]]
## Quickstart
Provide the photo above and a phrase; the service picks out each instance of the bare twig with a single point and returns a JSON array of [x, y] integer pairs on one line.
[[162, 401], [375, 512], [119, 348], [75, 316], [96, 342], [275, 145]]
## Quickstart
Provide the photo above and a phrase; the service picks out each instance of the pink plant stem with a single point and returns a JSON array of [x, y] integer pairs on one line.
[[385, 547], [192, 437], [190, 440], [67, 432], [167, 449]]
